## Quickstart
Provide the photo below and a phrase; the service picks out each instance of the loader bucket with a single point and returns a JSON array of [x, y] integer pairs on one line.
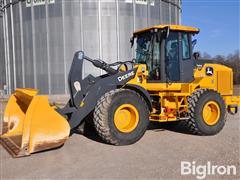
[[30, 124]]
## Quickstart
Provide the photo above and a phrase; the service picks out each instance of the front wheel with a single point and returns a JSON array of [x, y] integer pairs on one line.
[[121, 117], [207, 112]]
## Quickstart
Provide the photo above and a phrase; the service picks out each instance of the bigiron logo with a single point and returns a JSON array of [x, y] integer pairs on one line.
[[121, 78], [209, 169]]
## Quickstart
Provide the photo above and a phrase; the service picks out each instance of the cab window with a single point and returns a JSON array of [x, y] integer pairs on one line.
[[172, 57], [185, 46], [143, 51], [155, 73], [148, 52]]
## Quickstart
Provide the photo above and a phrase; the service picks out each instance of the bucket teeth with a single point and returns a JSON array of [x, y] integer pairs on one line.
[[13, 148], [5, 128]]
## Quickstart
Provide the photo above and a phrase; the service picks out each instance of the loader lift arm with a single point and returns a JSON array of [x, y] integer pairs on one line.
[[85, 92]]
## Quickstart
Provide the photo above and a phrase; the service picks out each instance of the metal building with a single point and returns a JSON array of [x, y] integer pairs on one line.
[[38, 38]]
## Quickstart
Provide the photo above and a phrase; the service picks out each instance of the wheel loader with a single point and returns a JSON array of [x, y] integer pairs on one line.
[[165, 82]]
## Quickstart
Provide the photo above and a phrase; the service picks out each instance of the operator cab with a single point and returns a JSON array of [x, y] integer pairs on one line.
[[167, 52]]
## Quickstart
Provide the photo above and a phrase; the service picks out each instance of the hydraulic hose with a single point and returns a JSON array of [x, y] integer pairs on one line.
[[102, 65]]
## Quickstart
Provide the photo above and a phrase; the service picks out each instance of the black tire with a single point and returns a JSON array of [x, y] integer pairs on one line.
[[104, 117], [196, 102]]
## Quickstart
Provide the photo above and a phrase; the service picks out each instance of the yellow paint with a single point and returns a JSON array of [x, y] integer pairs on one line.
[[217, 82], [81, 104], [174, 95], [221, 80], [211, 113], [171, 108], [34, 121], [169, 103], [232, 100], [122, 68], [172, 27], [126, 118], [26, 92]]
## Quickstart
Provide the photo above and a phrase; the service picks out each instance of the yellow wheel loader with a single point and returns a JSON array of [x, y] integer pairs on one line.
[[166, 82]]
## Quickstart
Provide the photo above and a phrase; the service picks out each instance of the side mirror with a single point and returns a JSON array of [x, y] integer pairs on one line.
[[196, 55], [194, 42]]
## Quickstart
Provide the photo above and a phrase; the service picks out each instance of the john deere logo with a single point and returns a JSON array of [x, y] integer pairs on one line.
[[121, 78], [209, 71]]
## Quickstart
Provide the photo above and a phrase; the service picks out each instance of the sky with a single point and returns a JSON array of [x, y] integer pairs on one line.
[[219, 24]]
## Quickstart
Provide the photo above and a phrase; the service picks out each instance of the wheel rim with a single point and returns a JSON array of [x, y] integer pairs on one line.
[[126, 118], [211, 113]]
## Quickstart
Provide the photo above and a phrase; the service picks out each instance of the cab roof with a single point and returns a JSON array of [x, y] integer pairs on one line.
[[172, 27]]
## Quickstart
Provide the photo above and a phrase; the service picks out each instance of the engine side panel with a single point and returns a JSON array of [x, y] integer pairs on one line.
[[214, 76]]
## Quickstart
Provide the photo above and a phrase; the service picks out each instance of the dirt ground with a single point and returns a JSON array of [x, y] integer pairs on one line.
[[157, 155]]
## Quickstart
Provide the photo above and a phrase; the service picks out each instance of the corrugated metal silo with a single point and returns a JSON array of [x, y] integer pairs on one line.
[[38, 38]]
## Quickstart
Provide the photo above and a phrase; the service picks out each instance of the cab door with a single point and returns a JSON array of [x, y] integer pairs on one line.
[[186, 60], [172, 58]]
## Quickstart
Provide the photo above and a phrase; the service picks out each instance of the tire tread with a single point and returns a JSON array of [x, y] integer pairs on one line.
[[191, 124], [101, 115]]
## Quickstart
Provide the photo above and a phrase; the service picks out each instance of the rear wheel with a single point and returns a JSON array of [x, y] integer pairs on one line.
[[207, 112], [121, 117]]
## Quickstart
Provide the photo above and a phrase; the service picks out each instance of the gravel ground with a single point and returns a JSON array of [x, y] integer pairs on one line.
[[157, 155]]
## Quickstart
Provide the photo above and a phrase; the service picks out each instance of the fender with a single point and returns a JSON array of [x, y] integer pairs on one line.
[[144, 93]]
